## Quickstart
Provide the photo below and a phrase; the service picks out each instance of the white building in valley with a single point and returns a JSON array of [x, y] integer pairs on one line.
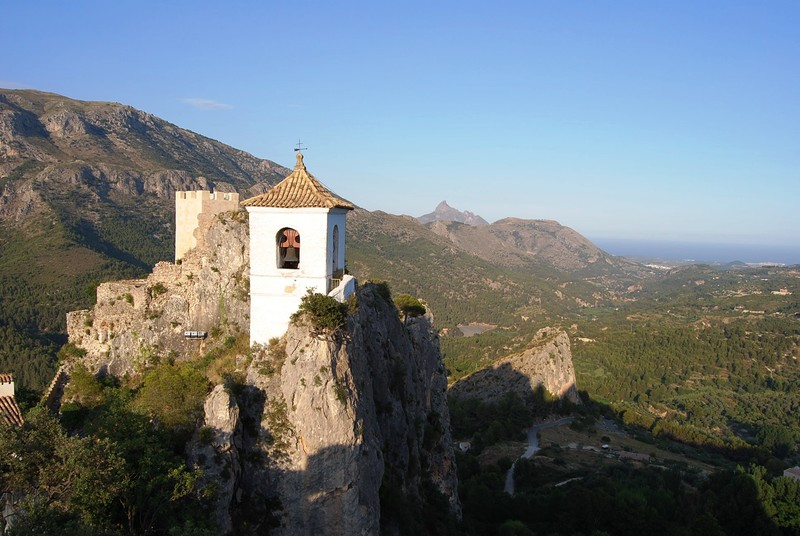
[[297, 243]]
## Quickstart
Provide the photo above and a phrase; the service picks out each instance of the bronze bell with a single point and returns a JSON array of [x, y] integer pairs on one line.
[[291, 255]]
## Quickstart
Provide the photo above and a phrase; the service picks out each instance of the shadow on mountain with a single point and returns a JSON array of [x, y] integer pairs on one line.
[[499, 404], [493, 383], [580, 490], [328, 500]]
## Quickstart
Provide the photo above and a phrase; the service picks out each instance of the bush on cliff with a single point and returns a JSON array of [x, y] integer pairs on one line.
[[173, 395], [409, 305], [324, 312]]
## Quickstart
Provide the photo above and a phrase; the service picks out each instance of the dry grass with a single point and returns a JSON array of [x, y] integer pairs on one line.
[[564, 436], [583, 450]]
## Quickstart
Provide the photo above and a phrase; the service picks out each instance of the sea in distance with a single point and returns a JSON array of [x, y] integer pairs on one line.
[[710, 253]]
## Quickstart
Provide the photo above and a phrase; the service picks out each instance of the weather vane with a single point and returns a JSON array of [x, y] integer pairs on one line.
[[299, 147]]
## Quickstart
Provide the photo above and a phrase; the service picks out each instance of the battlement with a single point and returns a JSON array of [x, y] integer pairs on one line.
[[189, 205], [205, 195]]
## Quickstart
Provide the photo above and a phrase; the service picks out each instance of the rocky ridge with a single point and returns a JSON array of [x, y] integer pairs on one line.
[[547, 362], [43, 135], [318, 432], [147, 318], [444, 212]]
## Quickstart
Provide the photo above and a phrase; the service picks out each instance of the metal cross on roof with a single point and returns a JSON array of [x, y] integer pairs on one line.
[[299, 147]]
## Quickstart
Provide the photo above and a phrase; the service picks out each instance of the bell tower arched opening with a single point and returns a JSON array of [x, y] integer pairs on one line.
[[288, 249]]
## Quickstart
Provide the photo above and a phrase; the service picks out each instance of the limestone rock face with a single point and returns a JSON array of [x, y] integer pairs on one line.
[[547, 362], [324, 433], [214, 450], [134, 321], [349, 419]]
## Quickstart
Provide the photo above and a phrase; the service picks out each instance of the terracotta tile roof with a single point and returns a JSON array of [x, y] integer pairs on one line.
[[9, 411], [299, 190], [6, 378]]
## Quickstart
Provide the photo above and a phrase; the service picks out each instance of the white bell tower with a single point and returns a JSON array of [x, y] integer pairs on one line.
[[297, 242]]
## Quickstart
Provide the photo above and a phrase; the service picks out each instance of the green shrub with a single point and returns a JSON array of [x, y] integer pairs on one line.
[[70, 352], [83, 388], [173, 394], [129, 298], [205, 435], [324, 312], [279, 428], [352, 304], [341, 392], [157, 290], [409, 305]]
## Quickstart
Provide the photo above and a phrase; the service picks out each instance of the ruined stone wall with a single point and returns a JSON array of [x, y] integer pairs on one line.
[[137, 321]]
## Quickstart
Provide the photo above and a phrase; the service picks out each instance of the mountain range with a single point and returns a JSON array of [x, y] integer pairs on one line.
[[444, 212], [87, 195]]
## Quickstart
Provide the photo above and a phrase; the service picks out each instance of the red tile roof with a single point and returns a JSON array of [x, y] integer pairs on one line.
[[299, 190], [9, 411]]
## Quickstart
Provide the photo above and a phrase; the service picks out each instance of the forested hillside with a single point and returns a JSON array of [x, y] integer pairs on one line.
[[705, 357], [696, 367], [87, 195]]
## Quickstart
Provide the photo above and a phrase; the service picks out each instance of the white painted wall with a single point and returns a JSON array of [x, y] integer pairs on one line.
[[275, 293]]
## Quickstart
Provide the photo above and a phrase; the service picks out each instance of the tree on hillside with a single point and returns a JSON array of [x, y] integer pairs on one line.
[[54, 480]]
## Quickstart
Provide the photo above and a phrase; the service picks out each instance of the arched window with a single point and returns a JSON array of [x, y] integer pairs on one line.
[[335, 252], [288, 241]]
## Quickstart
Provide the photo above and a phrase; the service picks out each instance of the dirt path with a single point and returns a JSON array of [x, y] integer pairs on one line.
[[533, 447]]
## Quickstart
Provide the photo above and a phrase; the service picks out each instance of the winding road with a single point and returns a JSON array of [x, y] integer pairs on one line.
[[533, 447]]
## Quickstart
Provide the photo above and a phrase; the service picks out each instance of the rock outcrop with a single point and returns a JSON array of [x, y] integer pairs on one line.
[[136, 321], [444, 212], [343, 433], [351, 423], [214, 450], [547, 362]]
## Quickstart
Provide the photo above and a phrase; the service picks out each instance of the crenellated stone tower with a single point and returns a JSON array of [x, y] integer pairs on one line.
[[297, 242], [188, 206]]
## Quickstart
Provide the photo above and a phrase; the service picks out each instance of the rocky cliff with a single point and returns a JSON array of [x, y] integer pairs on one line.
[[338, 433], [137, 322], [353, 432], [547, 362]]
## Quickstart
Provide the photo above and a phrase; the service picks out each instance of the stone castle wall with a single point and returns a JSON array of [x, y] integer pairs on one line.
[[188, 206]]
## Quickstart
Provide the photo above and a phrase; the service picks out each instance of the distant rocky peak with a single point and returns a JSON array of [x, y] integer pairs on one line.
[[445, 212]]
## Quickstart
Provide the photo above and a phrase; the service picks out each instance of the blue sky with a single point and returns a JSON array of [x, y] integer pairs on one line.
[[644, 120]]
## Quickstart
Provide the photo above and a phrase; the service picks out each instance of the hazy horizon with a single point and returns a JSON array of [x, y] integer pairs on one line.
[[698, 247], [699, 251], [670, 119]]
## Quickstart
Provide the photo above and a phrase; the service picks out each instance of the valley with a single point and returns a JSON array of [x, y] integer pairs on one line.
[[696, 366]]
